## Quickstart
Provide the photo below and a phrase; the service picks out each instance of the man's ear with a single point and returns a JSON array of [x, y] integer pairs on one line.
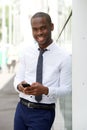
[[52, 26]]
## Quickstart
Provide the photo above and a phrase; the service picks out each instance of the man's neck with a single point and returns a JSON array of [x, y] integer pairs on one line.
[[46, 45]]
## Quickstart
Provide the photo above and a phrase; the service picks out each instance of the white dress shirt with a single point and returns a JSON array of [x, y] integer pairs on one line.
[[56, 71]]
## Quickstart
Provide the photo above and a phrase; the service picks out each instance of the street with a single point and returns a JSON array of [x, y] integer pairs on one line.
[[8, 101]]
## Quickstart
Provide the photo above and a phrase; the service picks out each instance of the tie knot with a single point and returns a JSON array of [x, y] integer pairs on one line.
[[42, 50]]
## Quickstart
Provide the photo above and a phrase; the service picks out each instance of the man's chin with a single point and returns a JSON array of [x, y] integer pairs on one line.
[[41, 42]]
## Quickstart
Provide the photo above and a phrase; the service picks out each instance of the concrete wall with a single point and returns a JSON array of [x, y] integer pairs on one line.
[[79, 49]]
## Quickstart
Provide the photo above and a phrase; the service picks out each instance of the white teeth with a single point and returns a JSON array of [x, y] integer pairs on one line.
[[40, 38]]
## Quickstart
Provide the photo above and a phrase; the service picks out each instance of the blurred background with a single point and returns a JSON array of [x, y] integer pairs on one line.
[[15, 32], [15, 26]]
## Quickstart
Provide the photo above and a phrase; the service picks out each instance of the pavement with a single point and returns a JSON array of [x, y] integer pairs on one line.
[[5, 77], [8, 100]]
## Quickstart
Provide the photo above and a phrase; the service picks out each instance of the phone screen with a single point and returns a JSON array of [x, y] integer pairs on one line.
[[26, 85]]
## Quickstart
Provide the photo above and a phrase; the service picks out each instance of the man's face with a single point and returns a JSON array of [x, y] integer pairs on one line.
[[41, 30]]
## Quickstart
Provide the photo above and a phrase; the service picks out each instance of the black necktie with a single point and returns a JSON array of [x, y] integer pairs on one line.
[[39, 71]]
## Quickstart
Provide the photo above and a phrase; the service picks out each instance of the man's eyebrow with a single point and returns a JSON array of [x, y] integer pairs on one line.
[[39, 26]]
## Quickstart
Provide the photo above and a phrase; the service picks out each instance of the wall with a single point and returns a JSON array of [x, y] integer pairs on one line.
[[79, 62]]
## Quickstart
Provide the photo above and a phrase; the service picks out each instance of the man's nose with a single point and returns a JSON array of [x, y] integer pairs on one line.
[[39, 32]]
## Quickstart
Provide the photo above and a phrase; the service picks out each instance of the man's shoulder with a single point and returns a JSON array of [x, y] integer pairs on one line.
[[61, 50], [62, 53], [29, 47]]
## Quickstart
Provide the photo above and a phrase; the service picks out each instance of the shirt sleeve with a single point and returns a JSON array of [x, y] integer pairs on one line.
[[65, 80], [20, 71]]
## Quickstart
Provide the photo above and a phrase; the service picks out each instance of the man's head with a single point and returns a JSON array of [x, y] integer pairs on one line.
[[41, 28]]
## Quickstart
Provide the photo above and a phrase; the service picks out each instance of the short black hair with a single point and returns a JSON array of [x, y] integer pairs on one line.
[[42, 14]]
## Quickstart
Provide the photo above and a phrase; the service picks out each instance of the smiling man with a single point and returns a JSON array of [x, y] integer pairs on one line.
[[41, 28], [46, 70]]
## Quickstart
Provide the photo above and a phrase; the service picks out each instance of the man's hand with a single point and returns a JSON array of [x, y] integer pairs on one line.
[[36, 89], [20, 86]]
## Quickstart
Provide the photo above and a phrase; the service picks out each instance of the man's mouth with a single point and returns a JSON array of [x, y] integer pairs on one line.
[[40, 39]]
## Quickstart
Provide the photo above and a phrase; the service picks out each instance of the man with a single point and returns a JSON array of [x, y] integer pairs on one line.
[[31, 113]]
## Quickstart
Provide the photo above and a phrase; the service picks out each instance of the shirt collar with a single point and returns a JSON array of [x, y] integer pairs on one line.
[[49, 47]]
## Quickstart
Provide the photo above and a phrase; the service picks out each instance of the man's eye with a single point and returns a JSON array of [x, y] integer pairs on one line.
[[43, 28]]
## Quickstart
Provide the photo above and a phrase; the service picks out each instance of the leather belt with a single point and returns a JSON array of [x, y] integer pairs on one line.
[[37, 105]]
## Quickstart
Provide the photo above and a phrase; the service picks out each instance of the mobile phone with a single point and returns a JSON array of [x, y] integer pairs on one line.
[[25, 85]]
